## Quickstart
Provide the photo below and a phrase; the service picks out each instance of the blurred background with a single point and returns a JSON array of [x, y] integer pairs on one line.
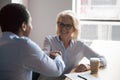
[[99, 19]]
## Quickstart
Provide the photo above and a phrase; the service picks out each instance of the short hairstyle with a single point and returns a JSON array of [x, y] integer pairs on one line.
[[75, 23], [12, 16]]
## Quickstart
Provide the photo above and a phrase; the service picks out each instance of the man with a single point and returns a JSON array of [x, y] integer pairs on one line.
[[19, 55]]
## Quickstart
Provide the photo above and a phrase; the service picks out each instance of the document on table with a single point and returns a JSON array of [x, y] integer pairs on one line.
[[82, 76]]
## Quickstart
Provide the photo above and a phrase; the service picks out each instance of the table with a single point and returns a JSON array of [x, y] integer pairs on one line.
[[111, 50]]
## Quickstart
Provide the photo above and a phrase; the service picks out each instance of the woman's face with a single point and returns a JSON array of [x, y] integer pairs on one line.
[[65, 27]]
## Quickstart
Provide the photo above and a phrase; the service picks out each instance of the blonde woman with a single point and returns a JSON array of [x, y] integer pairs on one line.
[[73, 50]]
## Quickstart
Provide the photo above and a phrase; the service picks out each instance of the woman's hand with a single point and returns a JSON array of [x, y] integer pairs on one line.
[[82, 68]]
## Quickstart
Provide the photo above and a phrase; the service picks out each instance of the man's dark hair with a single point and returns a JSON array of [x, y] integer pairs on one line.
[[12, 16]]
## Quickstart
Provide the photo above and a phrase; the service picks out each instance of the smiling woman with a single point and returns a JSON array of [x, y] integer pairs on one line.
[[66, 41], [70, 19]]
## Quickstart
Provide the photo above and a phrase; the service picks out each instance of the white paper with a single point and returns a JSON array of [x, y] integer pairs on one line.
[[87, 75]]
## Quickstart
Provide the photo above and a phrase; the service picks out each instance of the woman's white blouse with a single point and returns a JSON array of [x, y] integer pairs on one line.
[[73, 54]]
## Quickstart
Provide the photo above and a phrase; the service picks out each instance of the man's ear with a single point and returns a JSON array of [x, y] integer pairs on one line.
[[24, 26]]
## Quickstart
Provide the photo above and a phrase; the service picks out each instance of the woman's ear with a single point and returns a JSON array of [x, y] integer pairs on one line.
[[24, 26]]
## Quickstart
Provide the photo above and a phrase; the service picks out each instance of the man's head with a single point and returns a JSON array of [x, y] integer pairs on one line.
[[15, 18]]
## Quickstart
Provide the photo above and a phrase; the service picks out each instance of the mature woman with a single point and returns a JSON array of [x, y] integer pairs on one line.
[[66, 41], [19, 55]]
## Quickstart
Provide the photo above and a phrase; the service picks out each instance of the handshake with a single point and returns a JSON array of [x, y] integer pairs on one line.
[[53, 54]]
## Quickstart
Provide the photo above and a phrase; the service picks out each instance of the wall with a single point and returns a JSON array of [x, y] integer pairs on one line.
[[43, 14], [24, 2], [4, 2]]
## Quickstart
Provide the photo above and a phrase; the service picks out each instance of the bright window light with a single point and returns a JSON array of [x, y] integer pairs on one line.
[[99, 19]]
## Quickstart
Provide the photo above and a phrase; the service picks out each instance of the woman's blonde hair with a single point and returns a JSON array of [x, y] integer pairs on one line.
[[75, 20]]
